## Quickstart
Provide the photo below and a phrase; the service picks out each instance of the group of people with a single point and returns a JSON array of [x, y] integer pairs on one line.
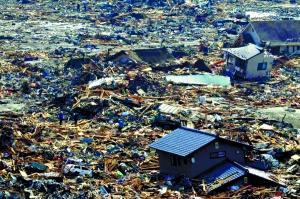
[[61, 116], [85, 5]]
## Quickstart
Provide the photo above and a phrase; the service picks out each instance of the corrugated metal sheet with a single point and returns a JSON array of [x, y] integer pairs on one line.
[[221, 175], [183, 141], [165, 108], [201, 79], [263, 174]]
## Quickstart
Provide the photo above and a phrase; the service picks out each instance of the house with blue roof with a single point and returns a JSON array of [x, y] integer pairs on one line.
[[200, 155], [190, 152], [228, 173]]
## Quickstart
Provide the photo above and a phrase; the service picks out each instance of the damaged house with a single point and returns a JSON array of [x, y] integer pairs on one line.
[[249, 62], [204, 156], [280, 37], [154, 57]]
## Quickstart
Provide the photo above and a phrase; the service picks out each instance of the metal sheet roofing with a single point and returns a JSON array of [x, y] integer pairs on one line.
[[229, 171], [165, 108], [245, 52], [183, 141], [263, 174], [200, 79], [222, 174]]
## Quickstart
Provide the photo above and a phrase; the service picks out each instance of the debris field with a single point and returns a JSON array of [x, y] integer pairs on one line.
[[87, 86]]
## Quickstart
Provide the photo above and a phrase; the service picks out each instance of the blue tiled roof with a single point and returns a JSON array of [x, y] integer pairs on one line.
[[183, 141], [222, 175]]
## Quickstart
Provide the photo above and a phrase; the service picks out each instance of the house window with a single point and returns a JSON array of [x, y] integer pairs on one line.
[[298, 47], [241, 63], [231, 59], [185, 161], [175, 161], [262, 66], [246, 180], [178, 161], [219, 154], [193, 160], [217, 146]]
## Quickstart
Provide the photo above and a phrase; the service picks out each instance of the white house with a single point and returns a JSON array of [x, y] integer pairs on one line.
[[249, 62]]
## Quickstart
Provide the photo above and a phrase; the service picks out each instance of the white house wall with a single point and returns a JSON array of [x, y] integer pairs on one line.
[[252, 71]]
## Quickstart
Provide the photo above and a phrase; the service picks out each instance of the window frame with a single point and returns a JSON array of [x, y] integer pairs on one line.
[[185, 161], [217, 145], [262, 66], [216, 155], [175, 161], [193, 160]]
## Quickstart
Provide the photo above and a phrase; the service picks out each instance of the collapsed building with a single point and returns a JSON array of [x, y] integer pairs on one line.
[[249, 62], [280, 37]]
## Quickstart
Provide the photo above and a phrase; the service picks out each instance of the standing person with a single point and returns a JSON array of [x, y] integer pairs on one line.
[[61, 117], [78, 7], [75, 117], [85, 4], [121, 124]]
